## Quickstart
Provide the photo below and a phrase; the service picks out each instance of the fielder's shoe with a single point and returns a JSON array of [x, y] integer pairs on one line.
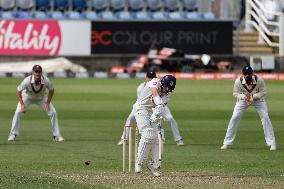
[[120, 142], [155, 172], [180, 142], [12, 137], [224, 147], [58, 138], [273, 147], [137, 168]]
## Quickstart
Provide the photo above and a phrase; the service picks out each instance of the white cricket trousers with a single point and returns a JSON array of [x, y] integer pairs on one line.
[[167, 115], [51, 113], [240, 108], [149, 136]]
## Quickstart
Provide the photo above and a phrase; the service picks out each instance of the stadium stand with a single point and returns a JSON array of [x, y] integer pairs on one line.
[[100, 5], [172, 8], [7, 4], [103, 9], [39, 15], [119, 8], [6, 7], [136, 5], [61, 10], [137, 9], [155, 8], [42, 5], [24, 8], [190, 5], [79, 5], [24, 4], [61, 5]]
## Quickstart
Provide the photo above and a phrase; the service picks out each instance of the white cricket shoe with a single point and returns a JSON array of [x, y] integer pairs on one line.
[[155, 172], [120, 142], [180, 142], [12, 137], [137, 168], [58, 138], [273, 147], [224, 147]]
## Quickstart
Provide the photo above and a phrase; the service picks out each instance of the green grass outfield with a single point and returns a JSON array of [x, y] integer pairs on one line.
[[91, 115]]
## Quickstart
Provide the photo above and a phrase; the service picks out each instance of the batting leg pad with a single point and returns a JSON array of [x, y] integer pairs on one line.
[[155, 154], [146, 142]]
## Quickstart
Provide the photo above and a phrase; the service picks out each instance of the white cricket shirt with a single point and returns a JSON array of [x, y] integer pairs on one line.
[[30, 90]]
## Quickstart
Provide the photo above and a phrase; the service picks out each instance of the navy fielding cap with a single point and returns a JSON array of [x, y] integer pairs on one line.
[[37, 68], [247, 70], [151, 75]]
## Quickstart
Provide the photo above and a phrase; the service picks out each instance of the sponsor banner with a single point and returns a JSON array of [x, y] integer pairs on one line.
[[281, 76], [76, 36], [60, 74], [268, 76], [18, 74], [3, 74], [44, 37], [162, 74], [82, 75], [226, 76], [187, 76], [179, 76], [141, 75], [220, 76], [101, 75], [115, 37], [205, 76], [123, 75]]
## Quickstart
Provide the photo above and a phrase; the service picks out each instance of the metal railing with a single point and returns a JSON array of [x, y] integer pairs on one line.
[[271, 31]]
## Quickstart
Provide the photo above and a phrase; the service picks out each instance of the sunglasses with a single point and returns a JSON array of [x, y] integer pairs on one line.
[[37, 71]]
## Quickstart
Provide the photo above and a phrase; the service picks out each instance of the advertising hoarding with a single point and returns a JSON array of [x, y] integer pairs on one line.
[[115, 37], [44, 37]]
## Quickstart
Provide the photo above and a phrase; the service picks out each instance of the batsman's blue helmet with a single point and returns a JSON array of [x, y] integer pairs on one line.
[[169, 81]]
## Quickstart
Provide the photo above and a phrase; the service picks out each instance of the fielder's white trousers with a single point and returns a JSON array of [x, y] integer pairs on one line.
[[167, 115], [51, 113], [240, 108]]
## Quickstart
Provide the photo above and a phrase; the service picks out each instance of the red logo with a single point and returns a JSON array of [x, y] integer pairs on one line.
[[154, 83], [29, 37], [101, 38]]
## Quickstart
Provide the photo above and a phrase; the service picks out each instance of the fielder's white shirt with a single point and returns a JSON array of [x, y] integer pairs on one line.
[[32, 91], [259, 91]]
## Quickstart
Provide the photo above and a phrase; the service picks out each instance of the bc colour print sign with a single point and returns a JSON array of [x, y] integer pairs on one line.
[[138, 37]]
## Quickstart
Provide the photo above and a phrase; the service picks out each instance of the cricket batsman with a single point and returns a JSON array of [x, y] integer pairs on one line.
[[166, 114], [148, 109]]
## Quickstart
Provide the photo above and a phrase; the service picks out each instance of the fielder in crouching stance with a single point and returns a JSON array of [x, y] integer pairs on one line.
[[249, 90], [166, 114], [32, 91], [148, 109]]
